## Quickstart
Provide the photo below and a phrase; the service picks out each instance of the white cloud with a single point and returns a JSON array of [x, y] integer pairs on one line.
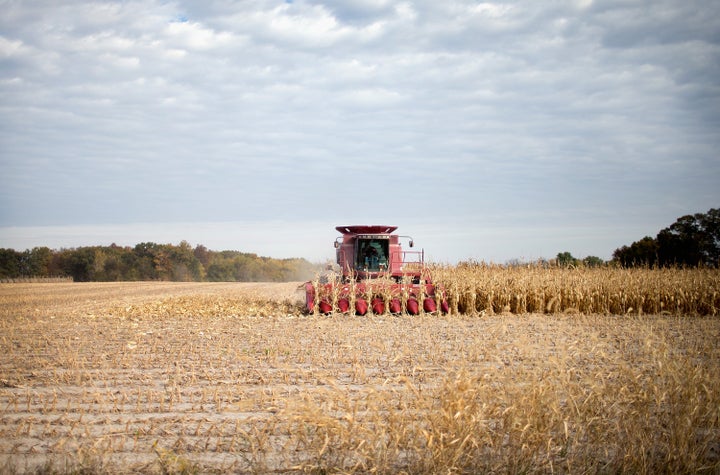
[[9, 48], [372, 98], [194, 36]]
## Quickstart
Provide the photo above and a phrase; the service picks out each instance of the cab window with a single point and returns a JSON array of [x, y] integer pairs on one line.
[[372, 254]]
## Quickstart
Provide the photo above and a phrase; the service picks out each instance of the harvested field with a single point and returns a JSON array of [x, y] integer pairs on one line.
[[175, 377]]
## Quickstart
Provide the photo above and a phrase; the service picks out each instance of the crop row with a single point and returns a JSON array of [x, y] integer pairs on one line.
[[481, 289]]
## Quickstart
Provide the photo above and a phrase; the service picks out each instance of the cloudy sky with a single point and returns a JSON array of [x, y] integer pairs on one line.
[[487, 130]]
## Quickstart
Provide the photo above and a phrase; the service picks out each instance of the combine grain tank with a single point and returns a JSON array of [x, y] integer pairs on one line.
[[376, 274]]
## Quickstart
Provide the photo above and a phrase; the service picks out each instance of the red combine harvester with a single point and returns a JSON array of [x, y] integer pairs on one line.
[[376, 274]]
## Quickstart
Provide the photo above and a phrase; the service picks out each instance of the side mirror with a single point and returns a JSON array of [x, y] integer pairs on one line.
[[411, 243], [336, 244]]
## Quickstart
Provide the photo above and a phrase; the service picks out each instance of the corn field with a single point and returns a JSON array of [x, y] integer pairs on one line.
[[522, 376], [488, 289]]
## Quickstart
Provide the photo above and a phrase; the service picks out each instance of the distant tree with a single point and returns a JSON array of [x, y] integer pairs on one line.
[[221, 271], [37, 261], [202, 255], [109, 264], [593, 261], [186, 266], [163, 263], [680, 243], [80, 264], [691, 240], [710, 240], [130, 265], [10, 263], [151, 261], [144, 260], [640, 253], [565, 259], [55, 266]]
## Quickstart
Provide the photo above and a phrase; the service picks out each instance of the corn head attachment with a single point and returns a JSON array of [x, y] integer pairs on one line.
[[376, 275]]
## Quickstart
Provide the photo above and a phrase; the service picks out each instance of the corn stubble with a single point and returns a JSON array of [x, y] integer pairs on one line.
[[163, 379]]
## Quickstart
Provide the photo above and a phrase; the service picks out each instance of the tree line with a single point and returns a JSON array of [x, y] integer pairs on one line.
[[692, 240], [151, 261]]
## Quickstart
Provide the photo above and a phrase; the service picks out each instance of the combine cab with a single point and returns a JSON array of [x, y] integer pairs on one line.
[[376, 275]]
